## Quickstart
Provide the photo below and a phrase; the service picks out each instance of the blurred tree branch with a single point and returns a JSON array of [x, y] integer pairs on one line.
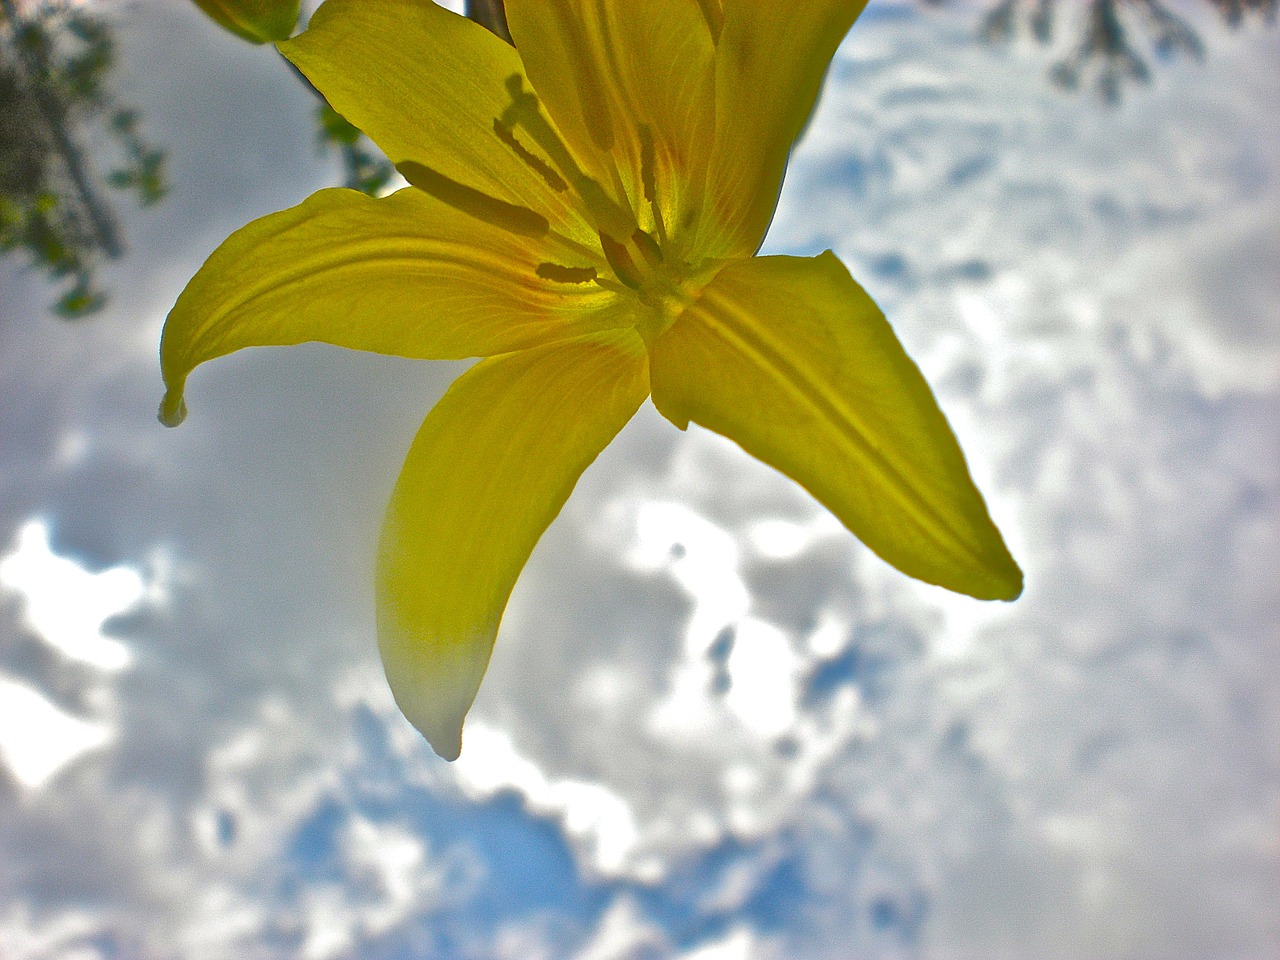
[[1107, 55], [53, 62], [36, 79]]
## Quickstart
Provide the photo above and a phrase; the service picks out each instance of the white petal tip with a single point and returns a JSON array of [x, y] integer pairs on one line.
[[443, 733], [173, 408], [445, 739], [447, 752]]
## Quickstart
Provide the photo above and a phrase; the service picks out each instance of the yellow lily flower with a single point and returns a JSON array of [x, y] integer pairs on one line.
[[584, 213]]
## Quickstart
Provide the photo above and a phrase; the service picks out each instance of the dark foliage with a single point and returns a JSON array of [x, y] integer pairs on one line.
[[1115, 38], [54, 61]]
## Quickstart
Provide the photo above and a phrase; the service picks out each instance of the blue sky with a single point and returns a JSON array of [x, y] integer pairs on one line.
[[715, 726]]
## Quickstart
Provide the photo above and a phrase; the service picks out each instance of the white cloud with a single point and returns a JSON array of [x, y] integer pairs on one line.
[[624, 934], [67, 604], [738, 945], [589, 812], [390, 879], [37, 739]]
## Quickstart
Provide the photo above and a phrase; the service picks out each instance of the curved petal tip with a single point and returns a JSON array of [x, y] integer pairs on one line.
[[447, 748], [173, 408], [440, 725], [1015, 587]]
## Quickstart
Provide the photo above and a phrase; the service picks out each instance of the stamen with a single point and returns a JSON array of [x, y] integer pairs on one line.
[[659, 224], [714, 16], [573, 247], [647, 161], [611, 218], [536, 163], [553, 271], [612, 286], [648, 176], [620, 189], [468, 200], [525, 112], [648, 247], [624, 268]]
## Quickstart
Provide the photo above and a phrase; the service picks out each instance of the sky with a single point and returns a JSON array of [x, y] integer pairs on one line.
[[715, 726]]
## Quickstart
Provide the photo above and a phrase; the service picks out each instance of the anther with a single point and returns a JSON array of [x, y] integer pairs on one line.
[[559, 274], [553, 179], [508, 216], [624, 268], [648, 247]]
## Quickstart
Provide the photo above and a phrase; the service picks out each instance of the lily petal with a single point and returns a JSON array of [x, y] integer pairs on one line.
[[792, 360], [404, 275], [770, 64], [607, 70], [491, 467], [258, 21], [427, 85]]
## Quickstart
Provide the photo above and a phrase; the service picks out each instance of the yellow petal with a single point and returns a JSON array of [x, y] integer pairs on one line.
[[609, 70], [258, 21], [791, 359], [426, 85], [770, 64], [404, 275], [490, 469]]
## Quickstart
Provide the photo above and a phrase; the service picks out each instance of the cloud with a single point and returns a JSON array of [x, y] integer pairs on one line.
[[37, 739], [46, 580]]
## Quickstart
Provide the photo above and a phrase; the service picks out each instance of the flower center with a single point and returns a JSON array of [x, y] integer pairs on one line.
[[628, 260], [634, 254]]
